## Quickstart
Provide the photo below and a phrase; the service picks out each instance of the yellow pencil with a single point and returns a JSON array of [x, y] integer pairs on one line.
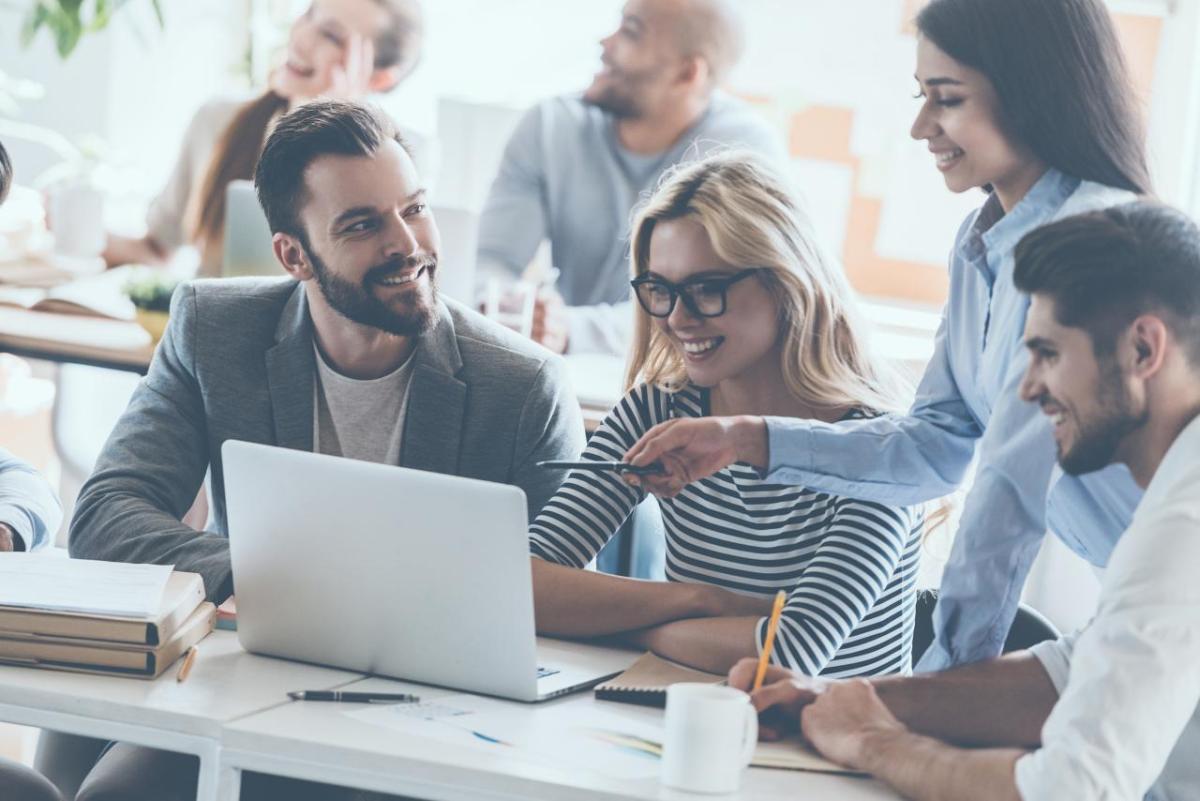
[[764, 658], [189, 659]]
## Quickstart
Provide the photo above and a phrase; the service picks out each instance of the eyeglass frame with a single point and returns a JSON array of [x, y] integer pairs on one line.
[[689, 303]]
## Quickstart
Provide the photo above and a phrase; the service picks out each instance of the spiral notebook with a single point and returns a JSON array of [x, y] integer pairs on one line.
[[646, 681]]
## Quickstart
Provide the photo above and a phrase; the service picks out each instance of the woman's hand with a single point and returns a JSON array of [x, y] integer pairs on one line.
[[351, 78], [692, 449]]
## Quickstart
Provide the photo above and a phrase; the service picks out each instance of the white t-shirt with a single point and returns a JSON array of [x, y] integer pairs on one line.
[[360, 419]]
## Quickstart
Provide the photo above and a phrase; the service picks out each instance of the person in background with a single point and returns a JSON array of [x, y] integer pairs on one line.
[[29, 515], [1031, 101], [336, 49], [1113, 711], [739, 313], [353, 354], [576, 165]]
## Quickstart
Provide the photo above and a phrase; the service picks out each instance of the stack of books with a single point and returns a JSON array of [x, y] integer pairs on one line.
[[118, 634]]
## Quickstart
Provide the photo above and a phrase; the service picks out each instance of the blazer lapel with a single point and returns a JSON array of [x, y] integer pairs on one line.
[[290, 371], [437, 401]]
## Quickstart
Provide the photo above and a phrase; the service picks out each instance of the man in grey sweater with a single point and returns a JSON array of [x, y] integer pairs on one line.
[[577, 165], [353, 355]]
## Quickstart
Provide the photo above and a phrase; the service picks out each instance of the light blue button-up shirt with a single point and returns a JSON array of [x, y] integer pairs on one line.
[[968, 401], [27, 504]]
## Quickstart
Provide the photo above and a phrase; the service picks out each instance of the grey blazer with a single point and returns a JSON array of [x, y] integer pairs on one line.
[[237, 362]]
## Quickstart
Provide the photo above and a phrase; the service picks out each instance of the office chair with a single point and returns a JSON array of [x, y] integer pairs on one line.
[[1029, 627]]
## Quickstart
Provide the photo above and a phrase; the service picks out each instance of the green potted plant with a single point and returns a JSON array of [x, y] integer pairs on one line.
[[151, 298], [68, 21]]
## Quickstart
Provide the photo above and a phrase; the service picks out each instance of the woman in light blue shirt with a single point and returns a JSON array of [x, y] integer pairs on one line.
[[1029, 100]]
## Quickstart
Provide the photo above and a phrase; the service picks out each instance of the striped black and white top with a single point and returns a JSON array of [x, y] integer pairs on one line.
[[849, 566]]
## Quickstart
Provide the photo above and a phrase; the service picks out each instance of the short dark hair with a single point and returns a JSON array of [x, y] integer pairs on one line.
[[317, 129], [1105, 268], [1060, 76], [6, 173]]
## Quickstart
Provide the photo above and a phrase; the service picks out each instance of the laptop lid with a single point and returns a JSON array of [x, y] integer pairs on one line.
[[247, 239], [381, 569]]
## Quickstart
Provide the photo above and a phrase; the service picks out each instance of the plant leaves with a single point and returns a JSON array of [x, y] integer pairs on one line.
[[67, 29], [33, 21]]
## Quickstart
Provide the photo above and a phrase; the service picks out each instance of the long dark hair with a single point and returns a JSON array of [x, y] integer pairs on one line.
[[1058, 70], [237, 151]]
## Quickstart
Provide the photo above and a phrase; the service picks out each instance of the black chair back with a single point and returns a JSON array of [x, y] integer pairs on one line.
[[1029, 627]]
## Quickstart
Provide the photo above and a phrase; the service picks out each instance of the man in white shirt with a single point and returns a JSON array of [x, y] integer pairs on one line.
[[1110, 712]]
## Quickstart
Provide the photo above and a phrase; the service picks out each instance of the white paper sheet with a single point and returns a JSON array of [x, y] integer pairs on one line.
[[41, 581], [580, 738]]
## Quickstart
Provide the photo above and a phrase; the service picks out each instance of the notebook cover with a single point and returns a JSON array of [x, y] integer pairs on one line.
[[647, 679]]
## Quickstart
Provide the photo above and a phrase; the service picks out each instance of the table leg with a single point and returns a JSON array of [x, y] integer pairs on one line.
[[229, 783], [209, 784]]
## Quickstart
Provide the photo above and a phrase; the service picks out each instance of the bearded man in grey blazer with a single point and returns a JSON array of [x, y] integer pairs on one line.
[[353, 354]]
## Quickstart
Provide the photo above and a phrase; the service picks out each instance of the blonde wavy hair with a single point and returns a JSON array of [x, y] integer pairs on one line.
[[752, 220]]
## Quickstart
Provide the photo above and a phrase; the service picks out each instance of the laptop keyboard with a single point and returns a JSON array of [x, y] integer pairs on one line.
[[543, 672]]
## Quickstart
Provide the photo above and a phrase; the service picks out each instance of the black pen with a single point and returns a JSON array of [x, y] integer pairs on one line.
[[354, 698]]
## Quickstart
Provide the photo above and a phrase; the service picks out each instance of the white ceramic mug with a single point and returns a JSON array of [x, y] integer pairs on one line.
[[77, 219], [711, 732]]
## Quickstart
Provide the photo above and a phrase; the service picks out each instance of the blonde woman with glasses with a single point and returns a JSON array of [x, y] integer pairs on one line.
[[738, 313]]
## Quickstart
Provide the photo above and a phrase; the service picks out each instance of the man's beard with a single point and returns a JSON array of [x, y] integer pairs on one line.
[[358, 303], [1098, 439], [619, 96], [615, 102]]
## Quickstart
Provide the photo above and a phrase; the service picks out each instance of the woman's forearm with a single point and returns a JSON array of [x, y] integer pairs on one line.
[[120, 250], [570, 602], [713, 644]]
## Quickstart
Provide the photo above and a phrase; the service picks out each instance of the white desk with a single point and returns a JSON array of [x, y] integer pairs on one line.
[[319, 742], [226, 684]]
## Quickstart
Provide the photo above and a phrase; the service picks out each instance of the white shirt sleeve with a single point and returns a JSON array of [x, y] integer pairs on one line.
[[1133, 683]]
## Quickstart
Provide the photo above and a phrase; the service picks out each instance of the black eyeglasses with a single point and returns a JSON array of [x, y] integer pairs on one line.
[[703, 297]]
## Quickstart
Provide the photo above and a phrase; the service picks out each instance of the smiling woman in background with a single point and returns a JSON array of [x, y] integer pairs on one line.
[[739, 313], [343, 49], [1029, 100]]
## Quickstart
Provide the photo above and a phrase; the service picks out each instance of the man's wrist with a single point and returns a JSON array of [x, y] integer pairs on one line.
[[750, 441], [880, 747]]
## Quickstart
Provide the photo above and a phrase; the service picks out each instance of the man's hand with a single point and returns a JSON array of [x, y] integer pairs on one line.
[[550, 327], [843, 717], [692, 449], [8, 538], [782, 698]]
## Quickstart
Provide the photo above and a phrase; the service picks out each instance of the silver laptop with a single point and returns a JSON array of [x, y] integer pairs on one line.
[[247, 246], [395, 572]]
